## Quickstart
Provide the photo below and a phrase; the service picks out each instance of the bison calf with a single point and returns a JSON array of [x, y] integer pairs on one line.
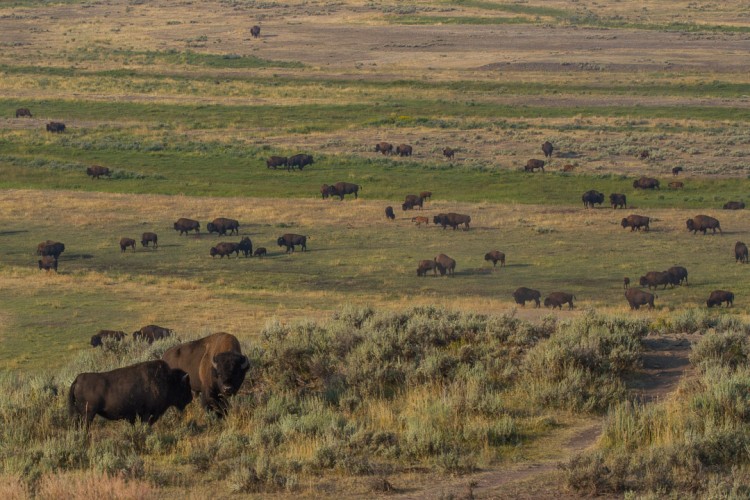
[[125, 243], [419, 220], [449, 153], [495, 256], [389, 213], [47, 263], [260, 252]]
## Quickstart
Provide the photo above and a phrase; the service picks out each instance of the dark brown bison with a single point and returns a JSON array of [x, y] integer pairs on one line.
[[403, 150], [618, 200], [184, 226], [245, 246], [342, 188], [149, 333], [147, 238], [225, 248], [384, 147], [635, 222], [300, 161], [676, 170], [547, 149], [48, 263], [221, 225], [740, 252], [389, 213], [96, 171], [718, 297], [255, 31], [291, 240], [644, 154], [23, 112], [637, 298], [453, 220], [495, 256], [106, 335], [557, 299], [411, 201], [420, 219], [677, 274], [532, 165], [425, 195], [325, 191], [625, 282], [734, 205], [646, 183], [144, 390], [449, 153], [260, 252], [216, 366], [277, 161], [125, 243], [592, 197], [703, 223], [426, 265], [51, 248], [56, 127], [523, 294], [655, 278], [676, 185], [445, 265]]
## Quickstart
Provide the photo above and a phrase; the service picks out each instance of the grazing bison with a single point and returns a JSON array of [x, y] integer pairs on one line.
[[300, 161], [125, 243], [495, 256], [637, 298], [635, 222], [260, 252], [184, 226], [277, 161], [255, 31], [703, 223], [646, 183], [677, 274], [426, 265], [655, 278], [420, 219], [50, 248], [144, 390], [557, 299], [245, 246], [717, 297], [740, 252], [644, 154], [445, 265], [342, 188], [56, 127], [676, 170], [547, 149], [734, 205], [403, 150], [389, 213], [568, 168], [105, 335], [532, 165], [225, 248], [221, 225], [325, 191], [618, 200], [449, 153], [592, 197], [149, 333], [96, 171], [523, 294], [411, 201], [625, 282], [147, 238], [216, 367], [453, 220], [425, 195], [676, 185], [291, 240], [23, 112], [48, 262], [384, 147]]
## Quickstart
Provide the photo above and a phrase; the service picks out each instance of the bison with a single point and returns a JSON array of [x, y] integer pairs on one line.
[[277, 161], [426, 265], [144, 390], [127, 242], [547, 149], [106, 335], [452, 219], [676, 185], [260, 252], [216, 367], [47, 263], [225, 248], [445, 265], [449, 153], [635, 222], [255, 31], [703, 223], [149, 333], [655, 278], [221, 225], [568, 168], [411, 201], [342, 188], [740, 252], [637, 298], [677, 274], [300, 161], [557, 299], [389, 213], [532, 165], [618, 200], [718, 297], [523, 294], [625, 282], [56, 127], [734, 205], [419, 220], [96, 171], [51, 248], [184, 226], [592, 197], [23, 112], [245, 246], [403, 150], [291, 240], [384, 147], [676, 170], [646, 183], [147, 238], [425, 195], [495, 256], [644, 154]]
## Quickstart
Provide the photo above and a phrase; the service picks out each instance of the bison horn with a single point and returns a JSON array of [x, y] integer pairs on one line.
[[213, 363], [186, 378], [245, 364]]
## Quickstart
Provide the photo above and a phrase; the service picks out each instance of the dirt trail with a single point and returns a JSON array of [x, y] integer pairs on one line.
[[665, 362]]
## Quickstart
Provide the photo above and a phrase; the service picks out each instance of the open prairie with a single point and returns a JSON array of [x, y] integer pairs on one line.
[[366, 377]]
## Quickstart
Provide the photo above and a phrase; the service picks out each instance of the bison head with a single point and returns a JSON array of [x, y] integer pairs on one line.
[[547, 302], [690, 224], [96, 341], [624, 222], [213, 251], [643, 281], [211, 227], [228, 371]]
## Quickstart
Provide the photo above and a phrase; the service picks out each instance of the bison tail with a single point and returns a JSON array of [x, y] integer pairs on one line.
[[72, 411]]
